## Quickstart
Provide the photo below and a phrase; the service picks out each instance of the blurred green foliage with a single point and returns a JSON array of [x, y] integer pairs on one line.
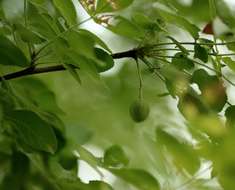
[[52, 123]]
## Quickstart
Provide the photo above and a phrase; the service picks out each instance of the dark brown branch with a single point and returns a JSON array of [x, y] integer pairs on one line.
[[126, 54], [33, 70]]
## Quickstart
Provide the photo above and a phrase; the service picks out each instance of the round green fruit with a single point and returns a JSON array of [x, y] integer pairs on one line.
[[139, 111]]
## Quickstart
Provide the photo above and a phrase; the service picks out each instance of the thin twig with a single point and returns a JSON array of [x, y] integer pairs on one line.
[[140, 80], [194, 43]]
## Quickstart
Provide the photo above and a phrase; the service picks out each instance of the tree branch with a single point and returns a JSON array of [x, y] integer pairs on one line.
[[47, 69]]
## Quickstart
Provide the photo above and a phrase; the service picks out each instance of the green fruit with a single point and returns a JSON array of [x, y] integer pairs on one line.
[[139, 111]]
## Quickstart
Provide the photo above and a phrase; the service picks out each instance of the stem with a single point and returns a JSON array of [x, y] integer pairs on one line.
[[140, 81], [203, 65], [151, 67], [192, 51], [26, 25], [194, 43]]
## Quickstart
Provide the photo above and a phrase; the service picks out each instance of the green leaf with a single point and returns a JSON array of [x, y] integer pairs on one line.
[[27, 35], [88, 157], [229, 62], [137, 177], [67, 10], [73, 72], [115, 156], [42, 23], [111, 6], [68, 160], [6, 101], [10, 54], [85, 64], [81, 43], [183, 154], [40, 2], [96, 39], [16, 177], [125, 27], [105, 60], [41, 96], [34, 131], [12, 13], [180, 22], [230, 116], [180, 61], [150, 26], [200, 53], [59, 172], [225, 13], [98, 185]]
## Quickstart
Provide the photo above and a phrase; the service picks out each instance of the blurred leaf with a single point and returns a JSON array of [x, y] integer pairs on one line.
[[81, 43], [200, 53], [180, 22], [115, 156], [229, 62], [6, 100], [10, 54], [191, 106], [180, 61], [177, 82], [184, 155], [5, 30], [111, 6], [138, 178], [125, 27], [41, 23], [67, 9], [40, 2], [85, 64], [230, 116], [12, 13], [211, 125], [224, 13], [98, 185], [96, 39], [59, 172], [105, 60], [41, 96], [212, 89], [88, 157], [73, 72], [18, 175], [27, 35], [143, 21], [34, 131], [68, 160], [226, 177]]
